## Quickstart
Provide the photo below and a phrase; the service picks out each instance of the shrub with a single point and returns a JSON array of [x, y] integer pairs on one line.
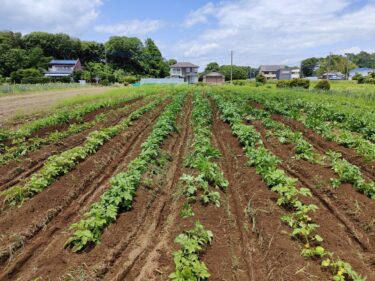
[[36, 80], [361, 79], [20, 74], [104, 82], [261, 79], [323, 85], [130, 79], [372, 74], [369, 80], [239, 82], [294, 83], [357, 76]]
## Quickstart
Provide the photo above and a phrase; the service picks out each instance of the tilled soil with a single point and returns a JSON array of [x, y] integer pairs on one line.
[[250, 241]]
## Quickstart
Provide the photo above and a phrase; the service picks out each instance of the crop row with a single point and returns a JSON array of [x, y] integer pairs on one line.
[[347, 172], [123, 186], [26, 130], [266, 164], [313, 120], [207, 173], [32, 144], [61, 164]]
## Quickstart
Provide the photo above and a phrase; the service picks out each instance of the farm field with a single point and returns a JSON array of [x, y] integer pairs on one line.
[[191, 183], [17, 105]]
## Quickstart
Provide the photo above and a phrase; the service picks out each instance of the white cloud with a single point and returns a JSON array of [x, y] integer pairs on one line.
[[271, 31], [131, 27], [200, 15], [69, 16]]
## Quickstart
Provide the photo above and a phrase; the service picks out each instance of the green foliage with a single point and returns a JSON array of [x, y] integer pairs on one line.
[[64, 162], [261, 79], [323, 85], [239, 72], [308, 66], [21, 74], [130, 79], [212, 67], [120, 195], [187, 263], [294, 83], [357, 76]]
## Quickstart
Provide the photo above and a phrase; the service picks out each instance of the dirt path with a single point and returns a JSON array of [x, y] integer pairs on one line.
[[29, 103]]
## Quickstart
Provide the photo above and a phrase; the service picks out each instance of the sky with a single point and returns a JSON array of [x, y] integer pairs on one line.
[[258, 31]]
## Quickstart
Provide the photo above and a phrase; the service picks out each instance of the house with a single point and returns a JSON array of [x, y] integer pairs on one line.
[[270, 71], [364, 71], [283, 74], [333, 76], [214, 78], [62, 68], [185, 70], [296, 73]]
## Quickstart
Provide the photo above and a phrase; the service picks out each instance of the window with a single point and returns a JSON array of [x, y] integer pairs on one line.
[[176, 70], [188, 69]]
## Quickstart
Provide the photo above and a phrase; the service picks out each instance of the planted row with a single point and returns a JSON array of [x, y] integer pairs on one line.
[[61, 117], [61, 164], [266, 164], [123, 186], [200, 160], [348, 173]]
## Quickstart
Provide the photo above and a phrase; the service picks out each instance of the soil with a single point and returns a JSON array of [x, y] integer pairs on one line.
[[250, 241], [38, 101]]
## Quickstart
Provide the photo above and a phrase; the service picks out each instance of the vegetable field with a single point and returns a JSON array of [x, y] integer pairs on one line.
[[191, 183]]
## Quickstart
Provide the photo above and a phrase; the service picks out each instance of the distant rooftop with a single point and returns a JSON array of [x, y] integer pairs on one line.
[[271, 67], [63, 62], [214, 74], [184, 64]]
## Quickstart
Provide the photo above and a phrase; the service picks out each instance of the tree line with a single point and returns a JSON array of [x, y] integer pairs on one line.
[[336, 63], [30, 54]]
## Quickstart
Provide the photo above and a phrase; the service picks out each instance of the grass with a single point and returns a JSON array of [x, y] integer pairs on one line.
[[12, 89]]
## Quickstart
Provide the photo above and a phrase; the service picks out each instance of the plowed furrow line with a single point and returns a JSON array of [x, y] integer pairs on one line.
[[135, 260], [35, 161], [82, 194], [246, 247]]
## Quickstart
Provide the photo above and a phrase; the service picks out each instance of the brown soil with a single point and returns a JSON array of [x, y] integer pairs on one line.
[[250, 241], [45, 218], [347, 229], [18, 170]]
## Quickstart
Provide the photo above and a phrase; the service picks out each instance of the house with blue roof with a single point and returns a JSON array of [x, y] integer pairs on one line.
[[364, 71], [62, 68]]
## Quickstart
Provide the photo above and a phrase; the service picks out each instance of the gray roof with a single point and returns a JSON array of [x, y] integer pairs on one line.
[[214, 74], [184, 64], [271, 67]]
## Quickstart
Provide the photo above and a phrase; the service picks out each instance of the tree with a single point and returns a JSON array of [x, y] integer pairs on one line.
[[20, 74], [308, 66], [212, 67], [91, 52], [239, 72], [154, 64], [172, 62], [126, 53]]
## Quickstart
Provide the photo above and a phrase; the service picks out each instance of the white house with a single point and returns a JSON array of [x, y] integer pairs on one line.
[[185, 70], [296, 73], [61, 68]]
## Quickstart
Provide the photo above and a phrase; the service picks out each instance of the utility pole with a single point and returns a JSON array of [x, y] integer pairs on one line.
[[231, 67], [347, 66]]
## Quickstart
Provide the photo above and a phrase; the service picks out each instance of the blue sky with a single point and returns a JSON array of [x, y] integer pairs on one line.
[[258, 31]]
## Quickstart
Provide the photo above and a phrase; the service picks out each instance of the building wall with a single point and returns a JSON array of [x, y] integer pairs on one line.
[[214, 79]]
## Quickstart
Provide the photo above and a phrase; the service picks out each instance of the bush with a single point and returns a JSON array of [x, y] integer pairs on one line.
[[372, 74], [369, 80], [239, 82], [357, 76], [36, 80], [20, 74], [130, 79], [323, 85], [294, 83], [261, 79], [104, 82], [361, 79]]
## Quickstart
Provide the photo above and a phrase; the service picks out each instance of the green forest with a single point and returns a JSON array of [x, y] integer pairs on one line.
[[28, 56]]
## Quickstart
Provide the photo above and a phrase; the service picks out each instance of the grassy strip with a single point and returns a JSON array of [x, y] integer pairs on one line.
[[123, 186], [18, 136], [347, 172], [64, 162], [188, 265], [299, 220], [200, 159]]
